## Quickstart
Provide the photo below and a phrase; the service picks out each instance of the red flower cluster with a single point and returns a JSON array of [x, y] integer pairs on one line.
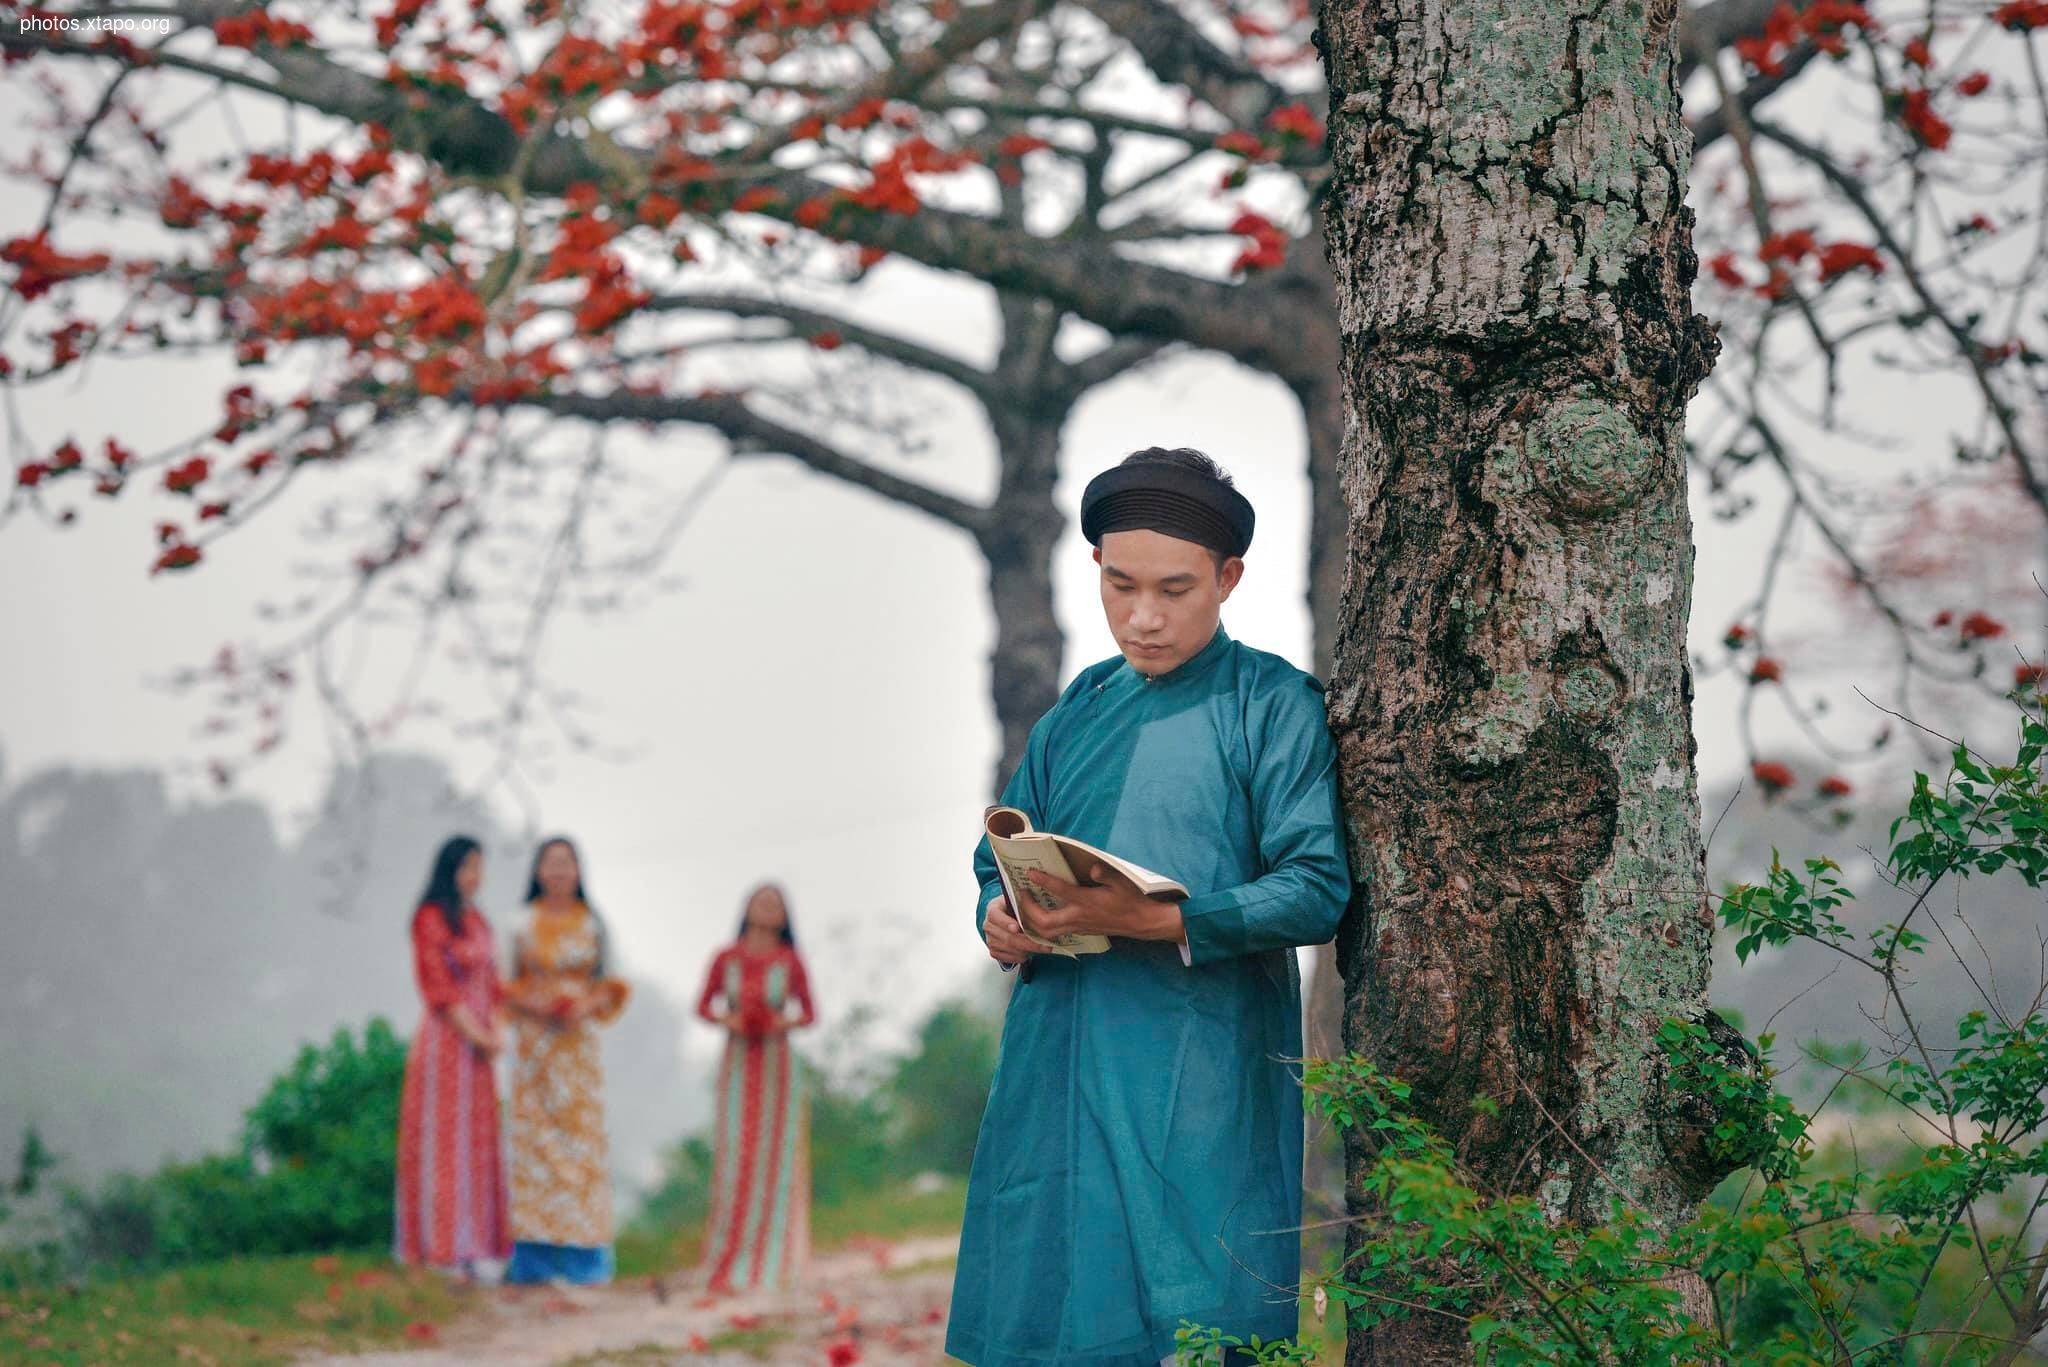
[[1774, 777], [2021, 15], [1765, 670], [1916, 112], [1295, 121], [1268, 247], [1839, 258], [183, 479], [177, 555], [38, 267], [1820, 23], [2028, 675], [254, 28], [1239, 143], [1979, 626]]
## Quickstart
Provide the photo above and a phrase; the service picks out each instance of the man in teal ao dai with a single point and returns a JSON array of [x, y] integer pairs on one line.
[[1139, 1164]]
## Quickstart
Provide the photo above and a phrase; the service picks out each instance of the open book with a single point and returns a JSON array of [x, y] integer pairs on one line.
[[1018, 848]]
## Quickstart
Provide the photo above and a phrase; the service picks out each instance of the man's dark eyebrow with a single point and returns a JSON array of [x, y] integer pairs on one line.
[[1184, 577]]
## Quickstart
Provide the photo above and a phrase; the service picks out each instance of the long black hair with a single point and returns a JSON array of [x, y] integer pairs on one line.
[[788, 917], [441, 890], [533, 892]]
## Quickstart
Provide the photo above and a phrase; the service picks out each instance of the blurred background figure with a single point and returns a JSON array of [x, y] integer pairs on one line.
[[560, 993], [759, 1234], [451, 1182]]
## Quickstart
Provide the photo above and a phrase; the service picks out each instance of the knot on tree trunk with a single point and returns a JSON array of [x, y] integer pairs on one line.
[[1713, 1104]]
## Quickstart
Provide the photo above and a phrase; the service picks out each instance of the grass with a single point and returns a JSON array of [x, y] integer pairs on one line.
[[245, 1312], [884, 1213]]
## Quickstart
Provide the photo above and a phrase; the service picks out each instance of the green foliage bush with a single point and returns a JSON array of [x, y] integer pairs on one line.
[[316, 1170], [1914, 1238]]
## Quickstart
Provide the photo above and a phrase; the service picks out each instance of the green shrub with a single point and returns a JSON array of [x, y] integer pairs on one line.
[[316, 1170]]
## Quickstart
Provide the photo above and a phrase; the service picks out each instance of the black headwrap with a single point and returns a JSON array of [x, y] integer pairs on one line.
[[1157, 496]]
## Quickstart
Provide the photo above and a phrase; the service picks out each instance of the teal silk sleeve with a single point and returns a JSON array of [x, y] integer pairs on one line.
[[1300, 897], [1022, 793]]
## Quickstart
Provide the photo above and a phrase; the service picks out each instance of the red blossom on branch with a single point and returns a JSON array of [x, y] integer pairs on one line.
[[1774, 777], [1840, 258], [1296, 121], [39, 267], [255, 28], [184, 478], [1980, 626], [2028, 675], [2021, 15], [1722, 267], [1268, 247], [1765, 670], [1916, 112], [178, 555], [1835, 786], [1239, 143]]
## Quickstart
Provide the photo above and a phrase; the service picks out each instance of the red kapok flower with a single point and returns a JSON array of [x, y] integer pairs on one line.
[[1979, 626], [2021, 15], [183, 479], [1796, 245], [30, 475], [1295, 121], [1243, 144], [1735, 636], [2028, 675], [1976, 83], [1916, 112], [1839, 258], [1774, 777], [842, 1352], [1835, 786], [180, 556], [1765, 670], [827, 340], [1917, 53]]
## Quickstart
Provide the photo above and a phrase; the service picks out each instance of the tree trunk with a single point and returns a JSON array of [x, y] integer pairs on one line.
[[1028, 413], [1314, 373], [1511, 693]]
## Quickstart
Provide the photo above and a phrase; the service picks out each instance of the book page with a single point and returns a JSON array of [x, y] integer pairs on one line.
[[1015, 858]]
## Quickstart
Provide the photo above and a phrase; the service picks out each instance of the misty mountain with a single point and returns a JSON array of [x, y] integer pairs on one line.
[[161, 960]]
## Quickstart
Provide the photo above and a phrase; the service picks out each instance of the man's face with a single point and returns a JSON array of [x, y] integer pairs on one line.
[[1162, 596]]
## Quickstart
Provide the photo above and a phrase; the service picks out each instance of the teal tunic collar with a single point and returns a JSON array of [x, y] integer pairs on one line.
[[1194, 667]]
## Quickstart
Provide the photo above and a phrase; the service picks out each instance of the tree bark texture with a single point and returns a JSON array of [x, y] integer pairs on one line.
[[1028, 403], [1510, 689]]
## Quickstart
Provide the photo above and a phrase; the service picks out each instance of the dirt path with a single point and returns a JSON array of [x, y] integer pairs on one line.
[[884, 1302]]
